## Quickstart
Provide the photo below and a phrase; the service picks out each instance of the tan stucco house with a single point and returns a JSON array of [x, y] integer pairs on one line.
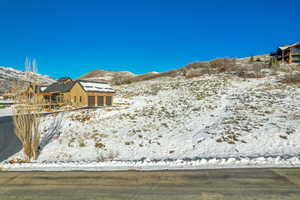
[[79, 93]]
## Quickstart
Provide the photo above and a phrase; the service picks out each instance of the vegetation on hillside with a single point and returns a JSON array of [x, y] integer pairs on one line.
[[251, 68]]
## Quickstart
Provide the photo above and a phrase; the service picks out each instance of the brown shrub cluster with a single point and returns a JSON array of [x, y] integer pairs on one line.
[[17, 160], [223, 64], [291, 78], [196, 72], [193, 74], [81, 118]]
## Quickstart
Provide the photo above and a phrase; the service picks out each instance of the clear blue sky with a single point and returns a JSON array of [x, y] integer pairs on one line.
[[73, 37]]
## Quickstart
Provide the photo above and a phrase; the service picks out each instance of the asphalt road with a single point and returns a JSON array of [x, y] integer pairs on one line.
[[221, 184], [9, 143]]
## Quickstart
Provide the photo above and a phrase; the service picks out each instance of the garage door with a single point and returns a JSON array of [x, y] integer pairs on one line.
[[109, 100], [91, 101], [100, 100]]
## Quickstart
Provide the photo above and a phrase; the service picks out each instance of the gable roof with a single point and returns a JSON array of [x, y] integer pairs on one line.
[[289, 46], [64, 79], [90, 86], [60, 86]]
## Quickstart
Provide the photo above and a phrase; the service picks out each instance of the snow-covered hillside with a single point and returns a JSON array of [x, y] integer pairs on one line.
[[106, 75], [7, 75], [218, 116]]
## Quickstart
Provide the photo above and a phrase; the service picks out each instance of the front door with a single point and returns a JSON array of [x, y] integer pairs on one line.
[[100, 100], [109, 100], [91, 101]]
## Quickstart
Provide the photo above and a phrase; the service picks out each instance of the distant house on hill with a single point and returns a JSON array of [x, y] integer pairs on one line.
[[288, 53], [79, 93]]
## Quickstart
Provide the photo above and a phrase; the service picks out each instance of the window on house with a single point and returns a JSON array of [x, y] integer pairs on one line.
[[296, 50], [80, 99], [75, 99]]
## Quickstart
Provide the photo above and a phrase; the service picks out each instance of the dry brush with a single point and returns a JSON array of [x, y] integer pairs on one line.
[[26, 118]]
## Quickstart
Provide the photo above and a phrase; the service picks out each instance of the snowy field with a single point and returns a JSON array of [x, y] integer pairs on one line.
[[215, 121]]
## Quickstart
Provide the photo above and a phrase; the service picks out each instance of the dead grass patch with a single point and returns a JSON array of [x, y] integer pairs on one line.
[[129, 143], [99, 145], [297, 117], [82, 144], [17, 160], [81, 117], [283, 137], [171, 151]]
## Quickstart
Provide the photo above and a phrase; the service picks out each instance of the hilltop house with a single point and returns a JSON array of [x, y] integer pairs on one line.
[[288, 53], [79, 93]]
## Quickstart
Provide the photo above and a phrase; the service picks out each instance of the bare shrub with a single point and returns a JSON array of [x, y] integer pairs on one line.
[[27, 130], [251, 60], [100, 158], [294, 78], [197, 65], [193, 74], [197, 69], [26, 118], [171, 73], [17, 160], [273, 63], [81, 143], [112, 155], [81, 117], [171, 151], [292, 75], [99, 145], [129, 143], [119, 79], [223, 64], [123, 80], [218, 62], [257, 67], [108, 157], [242, 72], [154, 90]]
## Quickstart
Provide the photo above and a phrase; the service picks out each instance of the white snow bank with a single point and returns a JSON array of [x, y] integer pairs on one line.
[[5, 112], [6, 101], [214, 163]]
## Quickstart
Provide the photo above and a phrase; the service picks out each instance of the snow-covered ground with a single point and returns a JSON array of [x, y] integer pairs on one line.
[[170, 123], [5, 101], [7, 111]]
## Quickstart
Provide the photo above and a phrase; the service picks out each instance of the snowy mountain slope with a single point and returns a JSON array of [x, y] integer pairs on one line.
[[105, 75], [218, 116], [7, 75]]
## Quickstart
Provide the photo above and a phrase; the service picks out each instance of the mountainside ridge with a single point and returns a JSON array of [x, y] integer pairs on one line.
[[8, 75]]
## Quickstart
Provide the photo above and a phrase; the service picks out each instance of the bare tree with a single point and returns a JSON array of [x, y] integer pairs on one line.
[[26, 118], [27, 130], [34, 66], [27, 68]]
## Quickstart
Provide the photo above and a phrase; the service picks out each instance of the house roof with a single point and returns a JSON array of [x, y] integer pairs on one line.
[[64, 79], [60, 86], [289, 46], [90, 86]]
